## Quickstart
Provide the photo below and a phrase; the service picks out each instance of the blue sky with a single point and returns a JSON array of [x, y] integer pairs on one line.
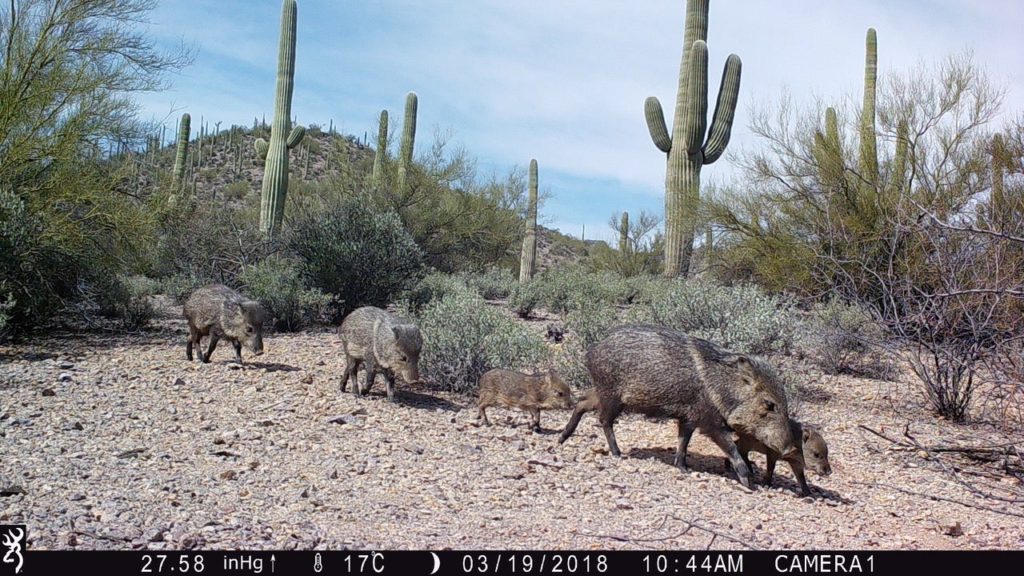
[[562, 81]]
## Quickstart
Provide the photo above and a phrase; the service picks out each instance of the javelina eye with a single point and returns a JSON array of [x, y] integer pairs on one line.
[[248, 330], [769, 405]]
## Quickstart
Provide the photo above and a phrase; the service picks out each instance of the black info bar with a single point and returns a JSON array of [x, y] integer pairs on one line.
[[448, 562]]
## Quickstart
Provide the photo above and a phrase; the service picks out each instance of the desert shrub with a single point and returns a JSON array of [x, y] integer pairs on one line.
[[181, 285], [36, 273], [236, 190], [524, 298], [465, 337], [355, 253], [588, 324], [837, 337], [742, 318], [431, 288], [124, 298], [277, 284], [493, 284]]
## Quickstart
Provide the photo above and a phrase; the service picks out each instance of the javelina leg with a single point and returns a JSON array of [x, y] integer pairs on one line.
[[238, 351], [738, 465], [535, 412], [685, 433], [481, 415], [351, 371], [582, 407], [769, 470], [213, 344], [193, 337], [608, 416], [389, 380], [370, 367], [798, 471]]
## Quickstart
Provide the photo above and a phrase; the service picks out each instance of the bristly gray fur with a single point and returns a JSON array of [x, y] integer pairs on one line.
[[383, 343]]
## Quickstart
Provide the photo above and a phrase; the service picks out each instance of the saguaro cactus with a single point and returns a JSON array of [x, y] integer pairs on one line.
[[184, 130], [691, 144], [899, 161], [275, 175], [381, 155], [528, 261], [868, 144], [624, 233], [828, 153], [997, 203], [408, 139]]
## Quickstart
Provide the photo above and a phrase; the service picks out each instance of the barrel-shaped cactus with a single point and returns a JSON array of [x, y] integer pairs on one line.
[[528, 260], [691, 144], [380, 157], [408, 140], [282, 137], [181, 156]]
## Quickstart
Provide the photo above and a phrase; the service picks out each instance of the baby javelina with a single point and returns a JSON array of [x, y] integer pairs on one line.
[[813, 448], [219, 312], [500, 387]]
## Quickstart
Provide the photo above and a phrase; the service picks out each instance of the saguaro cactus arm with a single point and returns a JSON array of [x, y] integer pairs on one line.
[[181, 155], [656, 124], [528, 259], [408, 140], [725, 110], [295, 137], [261, 146], [868, 144], [692, 106]]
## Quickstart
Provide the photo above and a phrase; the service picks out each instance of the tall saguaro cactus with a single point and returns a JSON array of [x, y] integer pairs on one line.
[[275, 175], [868, 143], [624, 233], [528, 260], [408, 140], [828, 153], [184, 130], [377, 177], [691, 144], [997, 203]]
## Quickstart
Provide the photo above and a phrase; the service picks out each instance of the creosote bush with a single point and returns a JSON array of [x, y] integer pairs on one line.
[[838, 337], [464, 337], [277, 284], [741, 318]]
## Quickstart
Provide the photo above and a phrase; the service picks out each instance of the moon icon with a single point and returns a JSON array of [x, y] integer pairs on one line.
[[437, 563]]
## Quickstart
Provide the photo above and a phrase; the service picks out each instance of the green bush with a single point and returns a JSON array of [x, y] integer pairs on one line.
[[524, 298], [277, 284], [181, 285], [431, 288], [464, 337], [588, 325], [35, 274], [358, 255], [125, 298], [741, 318], [493, 284]]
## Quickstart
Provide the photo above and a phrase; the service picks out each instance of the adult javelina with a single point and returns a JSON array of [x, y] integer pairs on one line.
[[220, 312], [500, 387], [381, 342], [661, 372], [813, 454]]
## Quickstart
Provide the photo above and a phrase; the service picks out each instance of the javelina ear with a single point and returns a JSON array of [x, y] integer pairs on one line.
[[398, 331], [807, 433], [736, 361]]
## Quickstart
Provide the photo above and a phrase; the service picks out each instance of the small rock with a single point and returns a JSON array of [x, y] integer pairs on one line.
[[228, 475], [48, 392], [11, 490], [922, 454], [65, 365], [304, 493], [334, 474], [179, 381], [956, 530], [520, 446], [64, 377], [307, 379], [71, 539], [234, 366]]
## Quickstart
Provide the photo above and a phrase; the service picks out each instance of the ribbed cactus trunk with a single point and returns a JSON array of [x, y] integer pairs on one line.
[[408, 141], [528, 260], [868, 143], [380, 157], [900, 160], [828, 153], [184, 130], [624, 233], [692, 144], [275, 175]]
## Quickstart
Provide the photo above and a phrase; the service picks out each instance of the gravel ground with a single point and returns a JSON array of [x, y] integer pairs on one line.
[[118, 442]]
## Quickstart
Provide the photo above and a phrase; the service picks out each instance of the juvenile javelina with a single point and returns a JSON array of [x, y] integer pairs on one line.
[[813, 449], [664, 373], [500, 387], [219, 312], [382, 343]]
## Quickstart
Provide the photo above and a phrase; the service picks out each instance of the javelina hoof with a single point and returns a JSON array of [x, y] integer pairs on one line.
[[681, 464]]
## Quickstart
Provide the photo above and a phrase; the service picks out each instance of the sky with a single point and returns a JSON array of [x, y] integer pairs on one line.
[[562, 81]]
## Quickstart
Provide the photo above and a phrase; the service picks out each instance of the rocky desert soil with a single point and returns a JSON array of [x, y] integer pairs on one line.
[[117, 442]]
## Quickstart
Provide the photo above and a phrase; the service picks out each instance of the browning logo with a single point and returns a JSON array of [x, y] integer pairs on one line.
[[12, 538]]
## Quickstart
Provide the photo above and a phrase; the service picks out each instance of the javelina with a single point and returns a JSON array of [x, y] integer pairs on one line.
[[661, 372], [813, 449], [220, 312], [381, 342], [500, 387]]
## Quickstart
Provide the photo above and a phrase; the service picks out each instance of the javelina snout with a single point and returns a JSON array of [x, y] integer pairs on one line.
[[529, 392], [220, 312]]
